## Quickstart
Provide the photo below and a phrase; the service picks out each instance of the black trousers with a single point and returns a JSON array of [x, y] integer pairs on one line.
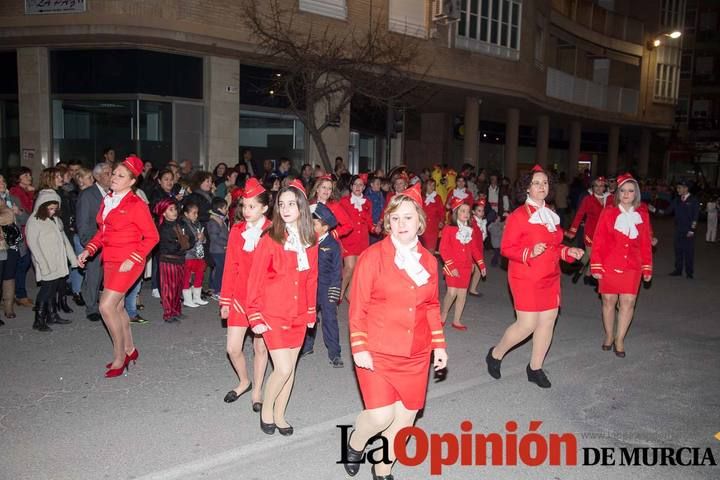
[[48, 290], [684, 253]]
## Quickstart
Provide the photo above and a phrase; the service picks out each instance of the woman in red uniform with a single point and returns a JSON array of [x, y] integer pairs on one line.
[[394, 326], [126, 235], [281, 297], [532, 243], [359, 210], [244, 238], [590, 208], [460, 192], [435, 214], [460, 248], [622, 253]]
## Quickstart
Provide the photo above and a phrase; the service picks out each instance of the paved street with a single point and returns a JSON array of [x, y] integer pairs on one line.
[[60, 419]]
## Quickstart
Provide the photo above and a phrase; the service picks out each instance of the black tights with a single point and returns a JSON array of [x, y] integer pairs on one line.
[[48, 290]]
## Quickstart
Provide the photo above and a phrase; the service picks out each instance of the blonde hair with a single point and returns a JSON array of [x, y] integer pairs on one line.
[[636, 200], [82, 172], [395, 203]]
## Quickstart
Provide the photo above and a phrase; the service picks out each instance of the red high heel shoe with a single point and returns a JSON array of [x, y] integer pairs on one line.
[[116, 372], [128, 358]]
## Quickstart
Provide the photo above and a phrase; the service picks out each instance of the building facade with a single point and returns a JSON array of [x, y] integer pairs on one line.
[[572, 84]]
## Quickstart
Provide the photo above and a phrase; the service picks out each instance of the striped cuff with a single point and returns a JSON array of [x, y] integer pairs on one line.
[[256, 319], [224, 301], [526, 256], [137, 258], [588, 241], [596, 268], [312, 310], [564, 255], [438, 339], [358, 342], [91, 248], [238, 308], [481, 264], [646, 269]]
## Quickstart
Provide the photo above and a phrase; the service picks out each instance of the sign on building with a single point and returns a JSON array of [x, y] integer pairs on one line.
[[33, 7]]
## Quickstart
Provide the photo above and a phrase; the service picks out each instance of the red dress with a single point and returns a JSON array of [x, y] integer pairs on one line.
[[435, 213], [620, 259], [534, 282], [457, 255], [128, 232], [590, 209], [362, 224], [344, 223], [238, 262], [281, 296], [398, 322]]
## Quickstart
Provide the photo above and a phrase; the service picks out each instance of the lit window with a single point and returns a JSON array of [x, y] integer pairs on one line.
[[490, 26]]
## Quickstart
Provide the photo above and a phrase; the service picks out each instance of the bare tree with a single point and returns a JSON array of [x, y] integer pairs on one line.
[[327, 64]]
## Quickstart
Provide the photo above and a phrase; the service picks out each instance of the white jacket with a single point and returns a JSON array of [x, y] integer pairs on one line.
[[50, 248]]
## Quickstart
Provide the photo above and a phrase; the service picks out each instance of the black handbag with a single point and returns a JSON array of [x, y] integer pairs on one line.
[[12, 234]]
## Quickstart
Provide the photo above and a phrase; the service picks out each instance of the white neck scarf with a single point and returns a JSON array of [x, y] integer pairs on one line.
[[430, 198], [602, 198], [409, 260], [464, 234], [460, 193], [543, 216], [482, 225], [111, 202], [357, 202], [294, 244], [626, 221], [252, 235]]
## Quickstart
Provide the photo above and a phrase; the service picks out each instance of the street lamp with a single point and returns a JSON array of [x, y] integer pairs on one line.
[[658, 41]]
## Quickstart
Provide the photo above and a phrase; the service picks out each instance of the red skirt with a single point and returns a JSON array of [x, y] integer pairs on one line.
[[617, 283], [461, 281], [237, 319], [284, 337], [531, 297], [119, 281], [395, 378]]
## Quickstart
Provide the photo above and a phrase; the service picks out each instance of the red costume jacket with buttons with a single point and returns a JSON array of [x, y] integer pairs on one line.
[[238, 262], [435, 213], [362, 225], [590, 209], [279, 295], [457, 255], [389, 313], [519, 239], [128, 232], [344, 223], [469, 199], [613, 250]]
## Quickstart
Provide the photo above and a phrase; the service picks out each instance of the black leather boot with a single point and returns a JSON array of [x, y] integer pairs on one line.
[[493, 364], [381, 477], [40, 323], [53, 316], [537, 377], [352, 467], [62, 301]]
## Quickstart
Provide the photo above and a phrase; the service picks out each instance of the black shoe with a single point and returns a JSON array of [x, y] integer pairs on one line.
[[1, 322], [40, 323], [690, 276], [267, 428], [380, 477], [305, 354], [139, 320], [337, 362], [537, 377], [53, 316], [675, 273], [172, 320], [287, 431], [94, 317], [493, 364], [352, 466], [78, 299], [232, 395], [62, 304], [257, 406]]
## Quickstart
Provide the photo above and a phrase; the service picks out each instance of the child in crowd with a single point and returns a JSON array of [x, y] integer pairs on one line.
[[174, 243], [194, 258], [496, 229], [712, 220], [329, 281], [218, 232], [479, 223]]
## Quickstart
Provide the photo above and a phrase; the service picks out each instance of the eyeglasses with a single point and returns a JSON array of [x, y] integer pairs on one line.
[[538, 184]]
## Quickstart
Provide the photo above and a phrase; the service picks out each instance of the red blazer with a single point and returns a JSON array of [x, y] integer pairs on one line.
[[237, 268], [455, 254], [128, 231], [279, 295], [469, 199], [344, 223], [389, 313], [361, 223], [435, 213], [519, 238], [616, 251], [590, 209]]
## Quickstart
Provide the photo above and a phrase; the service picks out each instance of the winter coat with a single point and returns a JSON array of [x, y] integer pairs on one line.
[[51, 250]]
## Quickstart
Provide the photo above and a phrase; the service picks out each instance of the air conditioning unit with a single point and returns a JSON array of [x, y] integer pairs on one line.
[[446, 11]]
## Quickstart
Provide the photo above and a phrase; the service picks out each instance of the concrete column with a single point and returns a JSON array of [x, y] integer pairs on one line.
[[336, 139], [613, 148], [574, 148], [543, 140], [471, 148], [512, 133], [645, 138], [34, 108], [222, 111]]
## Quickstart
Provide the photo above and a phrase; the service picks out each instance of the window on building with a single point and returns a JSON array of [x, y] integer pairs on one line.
[[672, 14], [690, 19], [328, 8], [682, 109], [490, 26], [686, 65], [667, 74], [539, 45]]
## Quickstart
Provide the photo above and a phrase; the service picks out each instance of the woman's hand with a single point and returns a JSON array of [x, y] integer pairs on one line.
[[126, 266], [311, 325], [82, 258], [597, 276], [224, 312], [454, 272], [260, 329], [483, 272], [441, 357], [647, 278], [538, 249], [377, 229], [576, 253], [363, 360]]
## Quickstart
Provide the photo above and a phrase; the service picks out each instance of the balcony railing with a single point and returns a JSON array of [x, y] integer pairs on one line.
[[600, 20], [580, 91]]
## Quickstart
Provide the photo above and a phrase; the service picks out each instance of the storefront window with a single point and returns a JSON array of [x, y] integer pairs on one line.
[[9, 135], [363, 152], [156, 132], [272, 135]]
